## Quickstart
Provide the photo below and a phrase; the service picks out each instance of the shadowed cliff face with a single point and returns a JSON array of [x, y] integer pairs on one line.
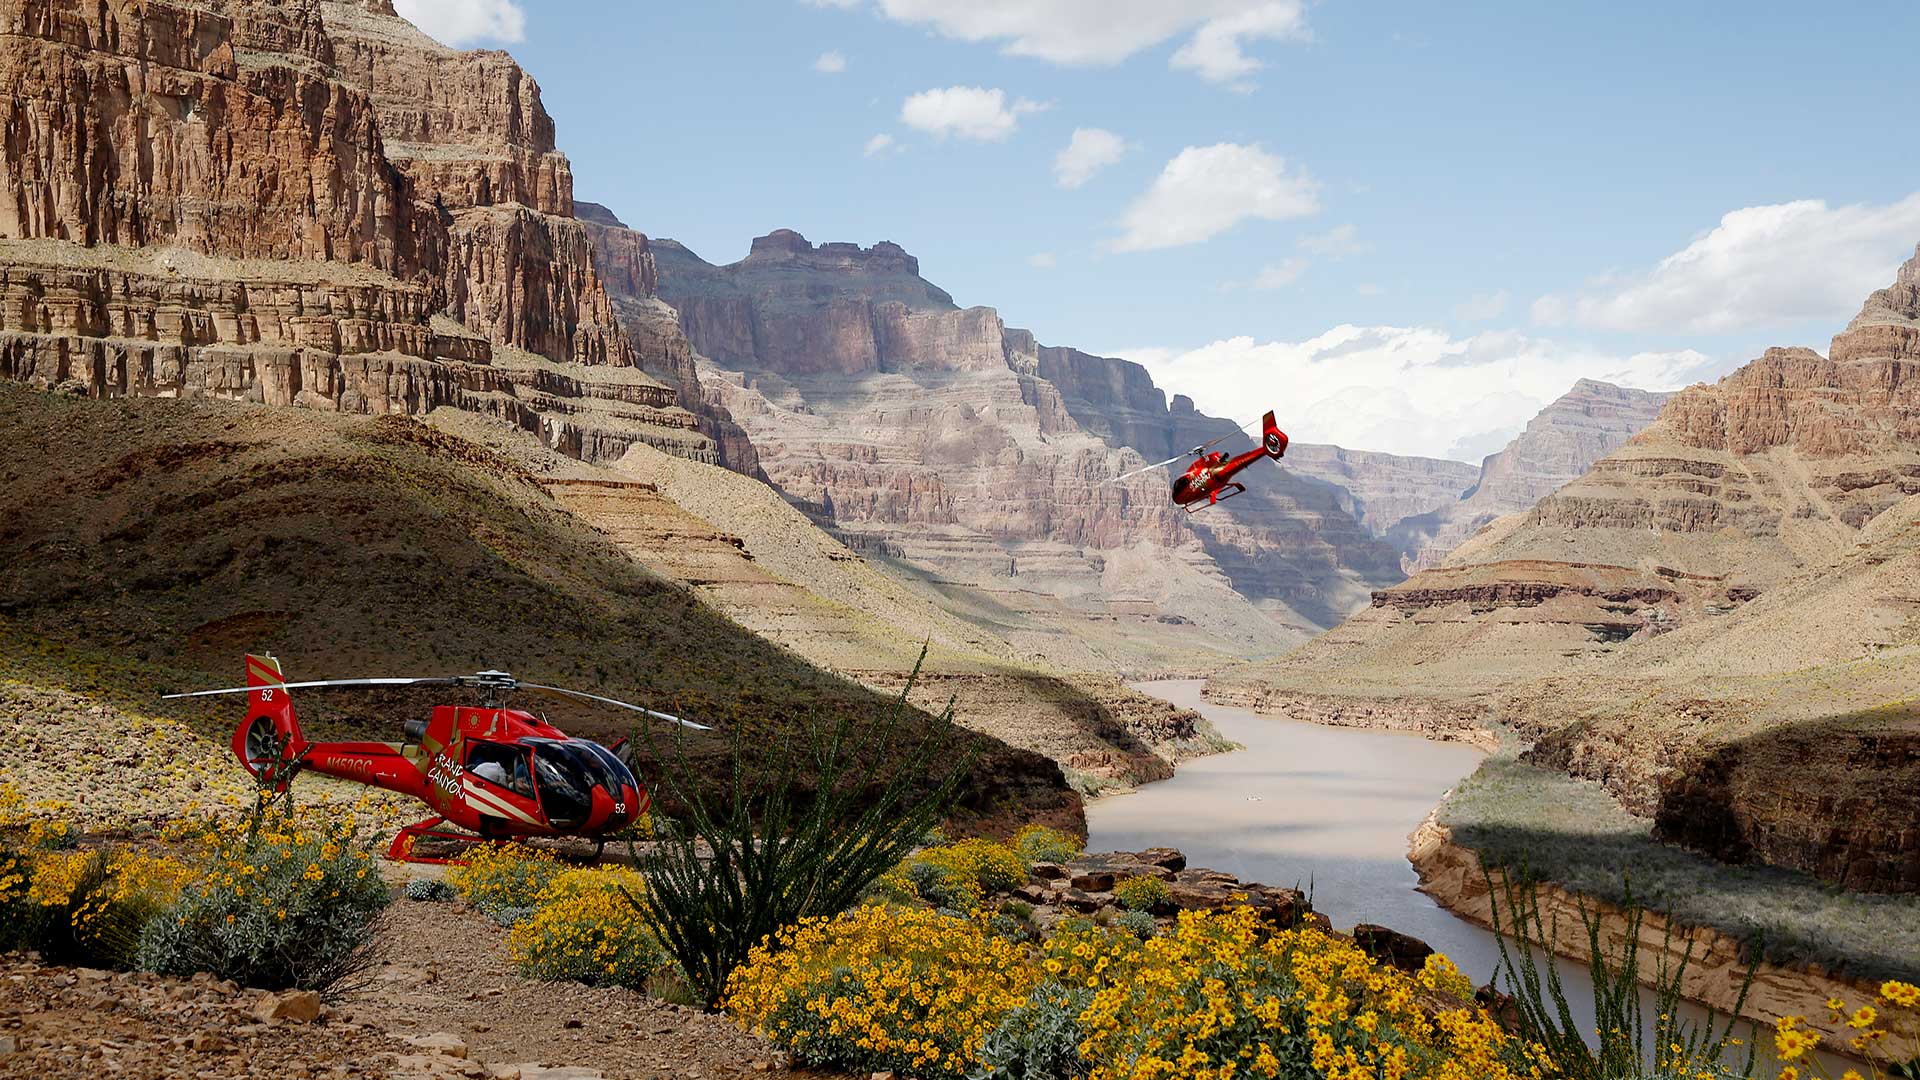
[[303, 203], [978, 456]]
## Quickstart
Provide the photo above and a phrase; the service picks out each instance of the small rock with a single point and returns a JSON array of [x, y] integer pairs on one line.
[[8, 1045], [295, 1006], [441, 1042], [888, 1075]]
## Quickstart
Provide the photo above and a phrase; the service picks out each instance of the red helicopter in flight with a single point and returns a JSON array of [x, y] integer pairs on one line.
[[1210, 478], [495, 772]]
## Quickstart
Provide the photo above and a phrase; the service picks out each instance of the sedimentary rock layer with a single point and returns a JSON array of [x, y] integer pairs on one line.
[[308, 203]]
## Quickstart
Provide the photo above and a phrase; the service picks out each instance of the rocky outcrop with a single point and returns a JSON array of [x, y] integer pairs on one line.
[[306, 203], [1560, 444], [979, 458]]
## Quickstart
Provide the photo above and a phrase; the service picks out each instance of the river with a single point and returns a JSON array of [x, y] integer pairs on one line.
[[1306, 805]]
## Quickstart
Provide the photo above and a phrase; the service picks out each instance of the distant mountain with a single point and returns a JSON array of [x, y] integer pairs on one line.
[[1561, 443]]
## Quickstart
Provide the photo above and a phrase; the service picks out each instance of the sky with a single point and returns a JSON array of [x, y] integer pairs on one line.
[[1404, 226]]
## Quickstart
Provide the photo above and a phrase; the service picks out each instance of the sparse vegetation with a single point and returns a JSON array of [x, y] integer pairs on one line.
[[1142, 894], [1572, 833], [760, 858]]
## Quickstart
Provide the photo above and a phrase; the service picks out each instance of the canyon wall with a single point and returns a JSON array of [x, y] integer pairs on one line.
[[974, 457], [306, 203]]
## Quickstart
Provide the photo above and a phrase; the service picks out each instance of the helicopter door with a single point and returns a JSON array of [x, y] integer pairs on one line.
[[503, 765]]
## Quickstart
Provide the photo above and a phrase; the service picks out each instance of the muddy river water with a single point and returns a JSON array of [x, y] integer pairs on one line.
[[1305, 804]]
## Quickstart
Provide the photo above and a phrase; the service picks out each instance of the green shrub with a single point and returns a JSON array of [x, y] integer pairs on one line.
[[1037, 843], [1142, 893], [1019, 909], [284, 900], [943, 886], [429, 890], [1138, 923], [1039, 1040]]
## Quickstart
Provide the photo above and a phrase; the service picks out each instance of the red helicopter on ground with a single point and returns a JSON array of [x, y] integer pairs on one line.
[[493, 771], [1210, 478]]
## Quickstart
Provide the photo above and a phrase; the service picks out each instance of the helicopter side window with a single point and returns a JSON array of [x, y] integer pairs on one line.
[[566, 785], [505, 766]]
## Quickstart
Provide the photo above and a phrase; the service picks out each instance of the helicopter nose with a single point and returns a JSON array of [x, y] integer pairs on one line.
[[600, 816]]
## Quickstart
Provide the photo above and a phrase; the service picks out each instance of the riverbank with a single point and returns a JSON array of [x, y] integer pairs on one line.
[[1715, 971]]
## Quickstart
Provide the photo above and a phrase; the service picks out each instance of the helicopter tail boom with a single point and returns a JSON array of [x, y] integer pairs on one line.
[[270, 735]]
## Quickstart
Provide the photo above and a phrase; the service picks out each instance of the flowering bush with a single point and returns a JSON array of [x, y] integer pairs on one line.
[[1218, 997], [1142, 893], [584, 929], [956, 876], [1037, 843], [504, 881], [883, 988], [284, 898]]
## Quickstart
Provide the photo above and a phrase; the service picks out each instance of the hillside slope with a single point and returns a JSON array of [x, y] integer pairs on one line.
[[146, 544], [754, 558]]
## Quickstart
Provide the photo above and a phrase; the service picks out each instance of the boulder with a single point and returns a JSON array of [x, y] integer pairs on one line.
[[293, 1006], [1392, 947]]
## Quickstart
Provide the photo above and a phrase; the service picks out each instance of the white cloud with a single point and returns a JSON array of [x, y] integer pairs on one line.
[[461, 23], [1206, 190], [1109, 31], [1089, 151], [1404, 390], [879, 144], [843, 5], [1042, 260], [1336, 243], [831, 62], [1761, 266], [1278, 275], [970, 112], [1483, 306], [1214, 51]]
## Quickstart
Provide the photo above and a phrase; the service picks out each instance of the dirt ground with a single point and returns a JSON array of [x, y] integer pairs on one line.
[[445, 1004]]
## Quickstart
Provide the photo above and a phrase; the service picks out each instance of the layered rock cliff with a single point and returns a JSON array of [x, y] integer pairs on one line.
[[308, 203], [1559, 445], [1717, 621], [1385, 489], [977, 458]]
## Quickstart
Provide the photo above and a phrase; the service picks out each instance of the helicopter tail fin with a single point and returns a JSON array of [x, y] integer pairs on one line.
[[270, 734], [1272, 439]]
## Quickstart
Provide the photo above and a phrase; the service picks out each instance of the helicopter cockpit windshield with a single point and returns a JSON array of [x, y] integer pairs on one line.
[[568, 772]]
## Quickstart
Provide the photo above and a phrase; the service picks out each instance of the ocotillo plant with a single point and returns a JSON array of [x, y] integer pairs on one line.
[[759, 854]]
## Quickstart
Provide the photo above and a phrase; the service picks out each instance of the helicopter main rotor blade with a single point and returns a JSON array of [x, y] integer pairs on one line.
[[1144, 469], [1205, 446], [614, 701], [307, 685]]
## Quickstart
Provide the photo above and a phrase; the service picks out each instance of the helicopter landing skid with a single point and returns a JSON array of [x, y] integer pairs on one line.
[[1220, 496], [407, 840]]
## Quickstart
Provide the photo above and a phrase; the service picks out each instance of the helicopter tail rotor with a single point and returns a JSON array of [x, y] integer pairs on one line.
[[269, 739]]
